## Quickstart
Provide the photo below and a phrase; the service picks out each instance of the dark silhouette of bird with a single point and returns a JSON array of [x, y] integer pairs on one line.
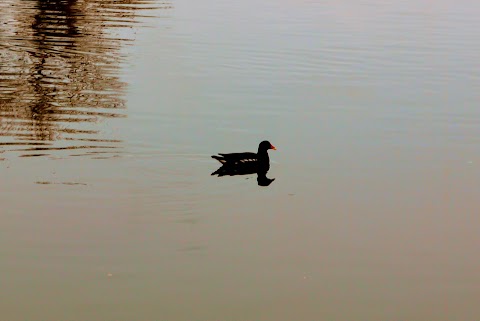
[[247, 163], [248, 159]]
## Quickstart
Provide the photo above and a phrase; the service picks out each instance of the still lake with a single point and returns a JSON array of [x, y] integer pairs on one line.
[[110, 111]]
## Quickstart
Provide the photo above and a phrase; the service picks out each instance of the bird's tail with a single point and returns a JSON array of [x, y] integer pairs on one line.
[[219, 158]]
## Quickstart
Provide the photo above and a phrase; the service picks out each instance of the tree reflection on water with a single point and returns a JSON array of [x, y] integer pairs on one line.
[[60, 66]]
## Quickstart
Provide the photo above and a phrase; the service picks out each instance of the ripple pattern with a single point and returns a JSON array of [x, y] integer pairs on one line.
[[60, 67]]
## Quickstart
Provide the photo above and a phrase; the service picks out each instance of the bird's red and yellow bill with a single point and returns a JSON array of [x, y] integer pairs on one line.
[[273, 147]]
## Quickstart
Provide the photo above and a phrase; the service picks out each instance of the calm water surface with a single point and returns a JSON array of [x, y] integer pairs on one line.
[[110, 110]]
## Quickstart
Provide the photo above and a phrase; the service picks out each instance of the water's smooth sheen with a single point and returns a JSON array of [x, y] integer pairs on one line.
[[110, 110]]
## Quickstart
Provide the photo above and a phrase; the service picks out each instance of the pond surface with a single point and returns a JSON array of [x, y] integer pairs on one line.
[[110, 111]]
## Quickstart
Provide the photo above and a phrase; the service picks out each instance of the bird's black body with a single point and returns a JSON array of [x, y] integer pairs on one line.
[[246, 163], [248, 158]]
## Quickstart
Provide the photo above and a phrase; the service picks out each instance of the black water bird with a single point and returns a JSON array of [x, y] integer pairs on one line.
[[248, 159], [247, 163]]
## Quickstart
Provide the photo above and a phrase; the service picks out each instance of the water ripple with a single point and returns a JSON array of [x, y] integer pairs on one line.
[[60, 68]]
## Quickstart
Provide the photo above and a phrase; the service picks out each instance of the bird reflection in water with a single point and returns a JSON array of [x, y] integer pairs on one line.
[[246, 164]]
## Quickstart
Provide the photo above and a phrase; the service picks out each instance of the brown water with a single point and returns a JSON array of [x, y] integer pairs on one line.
[[110, 110]]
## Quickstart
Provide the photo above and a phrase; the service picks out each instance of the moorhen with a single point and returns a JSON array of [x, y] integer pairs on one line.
[[248, 161]]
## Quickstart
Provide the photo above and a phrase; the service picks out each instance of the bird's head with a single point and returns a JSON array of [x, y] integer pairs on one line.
[[265, 145]]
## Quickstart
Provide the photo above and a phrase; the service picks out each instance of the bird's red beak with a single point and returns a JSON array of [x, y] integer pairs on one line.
[[273, 147]]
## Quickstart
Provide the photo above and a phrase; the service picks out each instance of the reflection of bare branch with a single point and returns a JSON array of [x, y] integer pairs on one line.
[[60, 65]]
